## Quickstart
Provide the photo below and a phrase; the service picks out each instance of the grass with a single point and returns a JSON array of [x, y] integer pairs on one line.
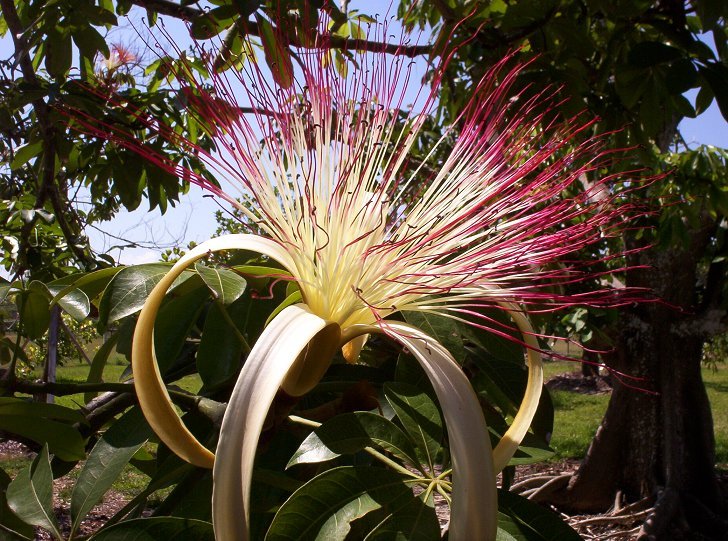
[[716, 383], [577, 416]]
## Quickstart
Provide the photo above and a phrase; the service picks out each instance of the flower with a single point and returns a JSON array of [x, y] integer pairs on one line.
[[323, 166]]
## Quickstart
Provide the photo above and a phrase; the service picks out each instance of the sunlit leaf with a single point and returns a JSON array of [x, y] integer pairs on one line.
[[226, 285], [419, 416], [323, 508], [106, 461], [350, 433]]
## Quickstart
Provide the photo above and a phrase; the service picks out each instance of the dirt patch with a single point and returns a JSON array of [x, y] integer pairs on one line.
[[576, 382], [112, 503]]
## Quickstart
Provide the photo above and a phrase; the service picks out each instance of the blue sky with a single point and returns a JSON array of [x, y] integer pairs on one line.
[[192, 219]]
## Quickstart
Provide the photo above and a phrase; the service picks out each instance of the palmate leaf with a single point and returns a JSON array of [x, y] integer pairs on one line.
[[30, 494], [525, 520], [350, 433], [420, 417], [48, 424], [408, 519], [324, 508], [156, 528], [227, 286], [106, 461]]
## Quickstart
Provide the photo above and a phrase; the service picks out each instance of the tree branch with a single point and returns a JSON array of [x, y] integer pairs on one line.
[[211, 409], [187, 13]]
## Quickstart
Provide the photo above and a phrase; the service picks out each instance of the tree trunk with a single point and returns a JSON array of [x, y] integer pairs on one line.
[[657, 444], [49, 369]]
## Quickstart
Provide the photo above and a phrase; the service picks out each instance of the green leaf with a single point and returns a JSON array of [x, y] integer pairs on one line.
[[528, 521], [703, 100], [323, 508], [30, 494], [502, 382], [92, 283], [445, 330], [128, 290], [502, 534], [226, 286], [89, 42], [156, 528], [717, 77], [496, 346], [35, 315], [211, 23], [420, 417], [106, 461], [219, 356], [681, 76], [58, 54], [43, 423], [277, 54], [294, 297], [350, 433], [25, 153], [21, 406], [11, 527], [650, 53], [174, 322], [411, 518], [74, 302]]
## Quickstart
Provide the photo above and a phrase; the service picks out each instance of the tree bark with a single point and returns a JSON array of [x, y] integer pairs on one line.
[[49, 369], [656, 439]]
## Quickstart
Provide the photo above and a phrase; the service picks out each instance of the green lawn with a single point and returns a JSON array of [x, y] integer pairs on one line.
[[577, 416]]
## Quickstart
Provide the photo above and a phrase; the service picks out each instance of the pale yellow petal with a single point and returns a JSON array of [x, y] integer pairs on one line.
[[474, 513], [151, 391], [275, 353], [510, 441]]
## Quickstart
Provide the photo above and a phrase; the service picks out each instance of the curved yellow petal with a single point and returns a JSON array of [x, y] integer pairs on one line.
[[353, 347], [474, 512], [510, 441], [285, 341], [151, 391]]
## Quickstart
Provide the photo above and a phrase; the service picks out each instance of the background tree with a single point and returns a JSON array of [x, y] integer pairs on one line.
[[630, 63]]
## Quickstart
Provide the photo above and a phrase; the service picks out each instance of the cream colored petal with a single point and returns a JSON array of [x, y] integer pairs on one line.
[[151, 391], [282, 343], [510, 441], [474, 498]]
